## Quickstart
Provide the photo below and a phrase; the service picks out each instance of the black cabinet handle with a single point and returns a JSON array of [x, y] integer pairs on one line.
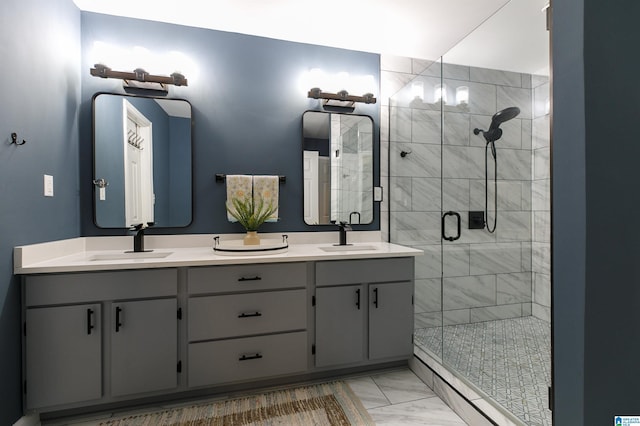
[[118, 323], [250, 314], [247, 358], [375, 297], [358, 298], [90, 325], [256, 278], [444, 216]]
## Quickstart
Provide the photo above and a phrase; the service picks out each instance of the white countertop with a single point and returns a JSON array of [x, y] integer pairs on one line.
[[80, 254]]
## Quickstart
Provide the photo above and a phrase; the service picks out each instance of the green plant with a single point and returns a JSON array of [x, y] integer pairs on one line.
[[248, 213]]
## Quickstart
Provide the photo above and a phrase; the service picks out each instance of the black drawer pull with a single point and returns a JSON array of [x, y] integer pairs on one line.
[[118, 323], [358, 298], [90, 326], [250, 314], [256, 278], [375, 297], [247, 358]]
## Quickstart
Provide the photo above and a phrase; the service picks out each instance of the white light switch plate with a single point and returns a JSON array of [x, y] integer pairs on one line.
[[48, 186]]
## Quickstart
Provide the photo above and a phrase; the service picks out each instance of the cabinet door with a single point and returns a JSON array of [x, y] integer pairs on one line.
[[339, 325], [144, 346], [63, 355], [390, 320]]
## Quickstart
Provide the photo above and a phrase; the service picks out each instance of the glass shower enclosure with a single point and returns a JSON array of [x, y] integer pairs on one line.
[[482, 298]]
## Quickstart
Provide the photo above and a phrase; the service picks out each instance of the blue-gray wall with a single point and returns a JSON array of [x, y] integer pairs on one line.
[[247, 109], [39, 80], [595, 154]]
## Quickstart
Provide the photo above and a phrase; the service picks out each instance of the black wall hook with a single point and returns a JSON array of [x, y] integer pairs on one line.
[[404, 153], [14, 139]]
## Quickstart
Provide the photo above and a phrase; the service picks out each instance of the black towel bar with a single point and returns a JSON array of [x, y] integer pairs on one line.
[[222, 177]]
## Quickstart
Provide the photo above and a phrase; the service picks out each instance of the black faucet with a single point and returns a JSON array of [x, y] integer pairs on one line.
[[138, 237], [344, 227]]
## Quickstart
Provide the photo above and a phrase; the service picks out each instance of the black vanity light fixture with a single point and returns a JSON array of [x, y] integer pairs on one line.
[[139, 78]]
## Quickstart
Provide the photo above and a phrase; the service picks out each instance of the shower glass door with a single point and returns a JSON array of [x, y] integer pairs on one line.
[[495, 276], [415, 168], [486, 284], [482, 299]]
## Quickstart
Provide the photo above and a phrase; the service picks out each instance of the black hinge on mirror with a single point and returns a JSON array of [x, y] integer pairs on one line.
[[313, 301], [179, 313], [313, 349], [179, 367]]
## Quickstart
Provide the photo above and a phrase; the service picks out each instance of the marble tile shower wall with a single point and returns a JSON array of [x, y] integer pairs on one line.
[[486, 276], [355, 155]]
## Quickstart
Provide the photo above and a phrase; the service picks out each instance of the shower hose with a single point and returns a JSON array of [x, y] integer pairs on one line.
[[486, 187]]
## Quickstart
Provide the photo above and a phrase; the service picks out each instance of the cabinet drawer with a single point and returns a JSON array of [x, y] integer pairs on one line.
[[54, 289], [223, 279], [248, 358], [216, 317], [364, 271]]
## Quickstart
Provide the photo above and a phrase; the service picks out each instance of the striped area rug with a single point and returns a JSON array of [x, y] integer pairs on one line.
[[332, 404]]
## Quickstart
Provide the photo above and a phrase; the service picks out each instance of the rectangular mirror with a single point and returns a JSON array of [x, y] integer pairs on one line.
[[337, 168], [141, 161]]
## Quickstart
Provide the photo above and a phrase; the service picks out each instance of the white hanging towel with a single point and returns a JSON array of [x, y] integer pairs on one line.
[[238, 187], [266, 188]]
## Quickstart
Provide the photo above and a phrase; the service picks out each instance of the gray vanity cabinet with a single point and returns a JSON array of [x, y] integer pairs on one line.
[[64, 357], [144, 346], [390, 320], [246, 322], [76, 354], [340, 325], [112, 337], [364, 310]]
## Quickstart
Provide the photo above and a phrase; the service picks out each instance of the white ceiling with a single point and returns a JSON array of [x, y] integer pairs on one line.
[[424, 29]]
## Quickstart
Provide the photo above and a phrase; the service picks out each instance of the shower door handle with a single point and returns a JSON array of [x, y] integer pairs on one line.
[[444, 217]]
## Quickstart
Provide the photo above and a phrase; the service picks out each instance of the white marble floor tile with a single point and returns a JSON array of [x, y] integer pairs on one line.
[[402, 386], [369, 393], [427, 411], [394, 397]]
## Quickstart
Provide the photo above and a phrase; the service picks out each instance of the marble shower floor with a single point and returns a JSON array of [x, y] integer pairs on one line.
[[509, 360], [392, 397]]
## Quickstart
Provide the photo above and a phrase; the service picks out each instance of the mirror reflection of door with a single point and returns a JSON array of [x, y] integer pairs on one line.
[[317, 188], [138, 159]]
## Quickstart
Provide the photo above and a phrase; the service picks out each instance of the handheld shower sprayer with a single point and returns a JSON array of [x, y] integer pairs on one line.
[[493, 134]]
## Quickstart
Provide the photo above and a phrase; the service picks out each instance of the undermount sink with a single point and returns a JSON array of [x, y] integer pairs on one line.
[[348, 247], [130, 255]]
